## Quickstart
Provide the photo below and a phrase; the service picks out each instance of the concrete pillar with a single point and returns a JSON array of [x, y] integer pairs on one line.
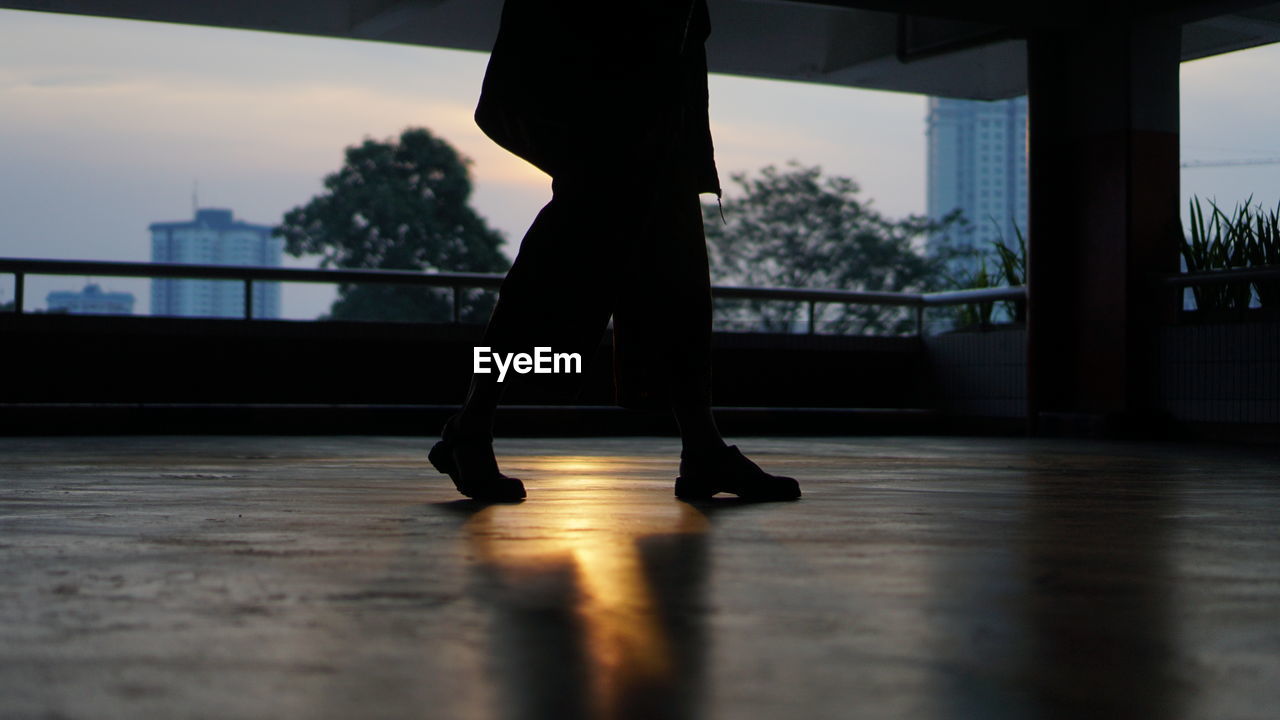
[[1104, 201]]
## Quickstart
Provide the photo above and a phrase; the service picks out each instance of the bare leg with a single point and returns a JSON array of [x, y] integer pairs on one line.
[[480, 408], [698, 431]]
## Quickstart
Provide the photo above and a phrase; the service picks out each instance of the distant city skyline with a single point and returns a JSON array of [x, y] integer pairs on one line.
[[977, 164], [214, 237], [91, 300], [107, 124]]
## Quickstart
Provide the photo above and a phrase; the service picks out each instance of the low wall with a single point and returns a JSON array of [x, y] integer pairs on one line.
[[60, 367], [981, 373], [64, 360], [1225, 372]]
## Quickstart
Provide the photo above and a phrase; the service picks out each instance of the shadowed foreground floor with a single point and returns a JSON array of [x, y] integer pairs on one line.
[[917, 578]]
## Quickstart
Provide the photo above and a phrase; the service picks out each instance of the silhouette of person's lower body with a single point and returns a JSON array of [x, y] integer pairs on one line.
[[621, 238]]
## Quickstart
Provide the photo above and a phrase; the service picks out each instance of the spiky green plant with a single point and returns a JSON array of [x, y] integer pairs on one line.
[[1247, 237], [1012, 262], [1261, 249], [978, 314]]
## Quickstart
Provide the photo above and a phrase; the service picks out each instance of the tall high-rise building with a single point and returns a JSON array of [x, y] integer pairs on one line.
[[90, 301], [977, 163], [214, 237]]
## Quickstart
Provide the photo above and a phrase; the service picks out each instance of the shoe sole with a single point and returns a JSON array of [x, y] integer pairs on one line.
[[687, 490]]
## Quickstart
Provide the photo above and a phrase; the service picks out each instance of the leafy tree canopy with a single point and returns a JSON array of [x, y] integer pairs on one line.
[[797, 228], [398, 204]]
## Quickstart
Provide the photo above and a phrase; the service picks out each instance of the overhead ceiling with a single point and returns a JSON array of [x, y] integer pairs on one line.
[[961, 49]]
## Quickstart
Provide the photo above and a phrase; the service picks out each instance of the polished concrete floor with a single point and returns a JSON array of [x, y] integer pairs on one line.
[[189, 577]]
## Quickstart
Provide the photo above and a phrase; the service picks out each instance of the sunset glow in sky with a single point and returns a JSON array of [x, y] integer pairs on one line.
[[107, 125]]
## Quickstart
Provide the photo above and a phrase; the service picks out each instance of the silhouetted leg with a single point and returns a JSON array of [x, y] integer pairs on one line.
[[698, 430], [691, 369], [662, 327], [559, 292], [662, 331]]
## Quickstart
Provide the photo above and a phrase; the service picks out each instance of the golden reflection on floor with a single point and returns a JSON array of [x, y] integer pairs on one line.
[[586, 515]]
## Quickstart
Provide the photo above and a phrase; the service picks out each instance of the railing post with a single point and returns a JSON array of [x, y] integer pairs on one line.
[[920, 320], [19, 291], [248, 298], [812, 317], [457, 304]]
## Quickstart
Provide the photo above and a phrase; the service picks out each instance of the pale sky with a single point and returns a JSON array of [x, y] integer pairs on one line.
[[105, 125]]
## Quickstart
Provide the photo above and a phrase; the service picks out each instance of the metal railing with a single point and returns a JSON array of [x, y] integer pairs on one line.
[[20, 268], [1209, 277], [919, 301], [458, 282]]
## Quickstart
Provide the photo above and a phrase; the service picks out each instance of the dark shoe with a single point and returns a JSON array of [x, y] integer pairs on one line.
[[469, 462], [727, 470]]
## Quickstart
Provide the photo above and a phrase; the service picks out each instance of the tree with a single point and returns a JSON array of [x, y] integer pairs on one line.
[[398, 205], [798, 229]]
